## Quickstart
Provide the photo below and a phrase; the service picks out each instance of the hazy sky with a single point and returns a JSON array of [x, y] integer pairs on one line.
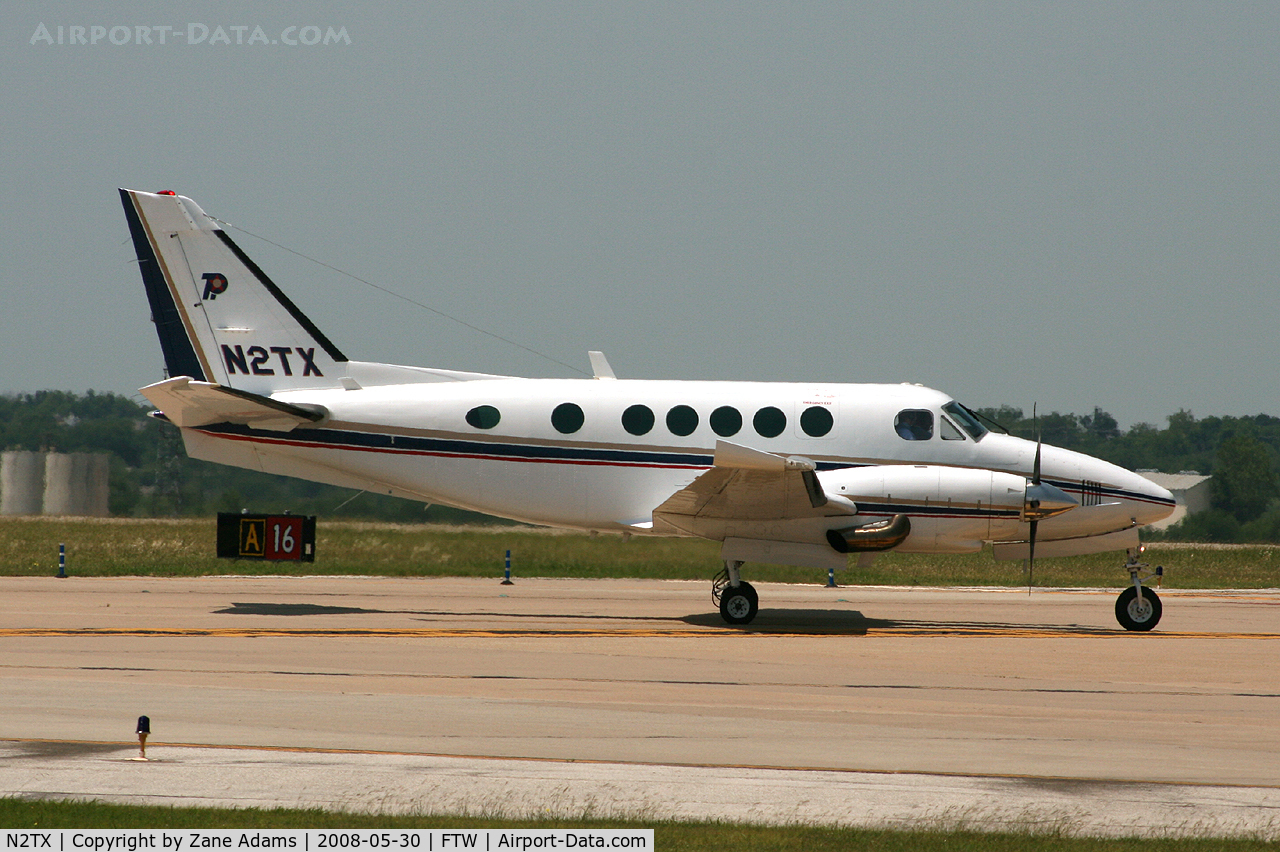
[[1074, 204]]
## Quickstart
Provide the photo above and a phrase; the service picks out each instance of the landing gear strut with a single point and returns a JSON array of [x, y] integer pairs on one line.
[[1138, 607], [738, 600]]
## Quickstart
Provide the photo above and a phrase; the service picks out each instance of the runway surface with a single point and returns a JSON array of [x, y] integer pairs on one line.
[[854, 705]]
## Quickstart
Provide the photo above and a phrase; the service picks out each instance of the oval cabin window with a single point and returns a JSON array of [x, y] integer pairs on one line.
[[638, 419], [770, 422], [816, 421], [484, 417], [567, 418], [725, 421], [682, 420]]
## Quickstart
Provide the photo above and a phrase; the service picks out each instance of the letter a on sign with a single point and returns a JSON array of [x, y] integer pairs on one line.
[[253, 537]]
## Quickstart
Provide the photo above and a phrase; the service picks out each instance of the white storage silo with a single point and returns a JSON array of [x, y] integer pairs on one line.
[[76, 484], [21, 482]]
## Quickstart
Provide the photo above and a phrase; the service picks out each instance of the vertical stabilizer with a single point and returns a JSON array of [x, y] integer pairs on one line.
[[220, 319]]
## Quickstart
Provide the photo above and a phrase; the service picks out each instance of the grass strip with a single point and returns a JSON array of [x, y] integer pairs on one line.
[[678, 836], [185, 548]]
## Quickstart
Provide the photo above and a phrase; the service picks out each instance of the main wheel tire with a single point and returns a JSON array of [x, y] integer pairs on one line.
[[1135, 615], [739, 605]]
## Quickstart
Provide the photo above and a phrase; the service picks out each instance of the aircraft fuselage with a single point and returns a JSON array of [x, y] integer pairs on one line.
[[586, 469]]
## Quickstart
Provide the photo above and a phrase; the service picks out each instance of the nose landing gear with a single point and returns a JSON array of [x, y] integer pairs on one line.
[[1138, 607]]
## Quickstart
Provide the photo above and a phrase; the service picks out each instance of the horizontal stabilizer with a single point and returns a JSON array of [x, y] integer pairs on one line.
[[191, 404]]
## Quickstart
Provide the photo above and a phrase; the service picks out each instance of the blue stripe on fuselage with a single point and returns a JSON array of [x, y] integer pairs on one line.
[[1076, 488], [379, 442], [345, 439]]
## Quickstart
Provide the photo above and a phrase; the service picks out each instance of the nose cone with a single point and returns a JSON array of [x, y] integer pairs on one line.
[[1106, 489], [1152, 503], [1142, 501]]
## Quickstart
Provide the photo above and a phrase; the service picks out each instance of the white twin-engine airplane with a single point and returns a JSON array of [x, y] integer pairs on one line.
[[786, 473]]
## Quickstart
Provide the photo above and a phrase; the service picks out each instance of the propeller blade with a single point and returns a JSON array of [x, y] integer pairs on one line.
[[1031, 557], [1035, 469]]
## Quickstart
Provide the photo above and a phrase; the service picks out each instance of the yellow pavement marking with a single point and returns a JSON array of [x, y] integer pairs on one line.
[[897, 630]]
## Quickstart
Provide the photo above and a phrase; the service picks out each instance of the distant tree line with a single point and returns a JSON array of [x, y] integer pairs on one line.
[[151, 475]]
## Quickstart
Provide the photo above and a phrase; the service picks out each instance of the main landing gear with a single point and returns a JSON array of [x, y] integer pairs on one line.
[[1138, 607], [737, 599]]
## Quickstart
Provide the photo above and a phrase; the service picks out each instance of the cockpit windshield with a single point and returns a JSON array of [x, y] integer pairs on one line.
[[966, 420]]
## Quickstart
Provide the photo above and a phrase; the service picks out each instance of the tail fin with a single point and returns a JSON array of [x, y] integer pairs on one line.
[[219, 317]]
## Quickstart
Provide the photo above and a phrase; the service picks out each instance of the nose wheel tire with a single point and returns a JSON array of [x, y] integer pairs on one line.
[[739, 604], [1134, 614]]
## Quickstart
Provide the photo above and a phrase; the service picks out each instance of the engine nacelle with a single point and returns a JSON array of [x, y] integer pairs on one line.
[[941, 508]]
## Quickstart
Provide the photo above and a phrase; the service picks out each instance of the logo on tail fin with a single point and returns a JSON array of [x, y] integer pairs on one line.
[[215, 284]]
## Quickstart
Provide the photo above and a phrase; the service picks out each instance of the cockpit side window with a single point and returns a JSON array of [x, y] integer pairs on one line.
[[914, 424], [968, 422], [948, 430]]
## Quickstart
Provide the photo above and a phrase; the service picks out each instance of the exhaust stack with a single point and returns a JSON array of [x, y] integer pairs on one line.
[[881, 535]]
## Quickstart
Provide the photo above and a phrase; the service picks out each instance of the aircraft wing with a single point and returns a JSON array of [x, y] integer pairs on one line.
[[190, 404], [747, 484]]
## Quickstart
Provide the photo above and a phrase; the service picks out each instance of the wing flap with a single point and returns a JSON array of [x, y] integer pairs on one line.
[[190, 404]]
